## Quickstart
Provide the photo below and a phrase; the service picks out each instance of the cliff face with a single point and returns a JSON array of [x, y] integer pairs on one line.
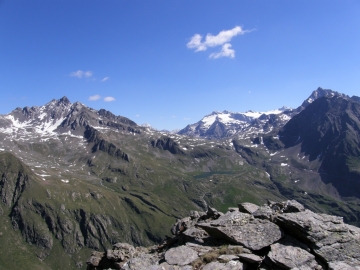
[[281, 235]]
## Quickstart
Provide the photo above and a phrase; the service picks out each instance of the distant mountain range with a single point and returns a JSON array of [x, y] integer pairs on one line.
[[228, 124], [74, 179]]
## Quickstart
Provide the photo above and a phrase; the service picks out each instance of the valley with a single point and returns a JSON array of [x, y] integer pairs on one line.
[[74, 179]]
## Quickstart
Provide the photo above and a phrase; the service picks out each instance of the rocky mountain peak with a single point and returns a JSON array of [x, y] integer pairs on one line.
[[64, 100], [321, 92]]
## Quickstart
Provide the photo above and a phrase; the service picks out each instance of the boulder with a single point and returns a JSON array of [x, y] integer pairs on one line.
[[181, 255]]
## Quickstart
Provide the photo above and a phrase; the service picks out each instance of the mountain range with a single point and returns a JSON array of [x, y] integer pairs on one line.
[[75, 179]]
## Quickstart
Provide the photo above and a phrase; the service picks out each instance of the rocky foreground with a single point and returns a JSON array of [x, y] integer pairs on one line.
[[281, 235]]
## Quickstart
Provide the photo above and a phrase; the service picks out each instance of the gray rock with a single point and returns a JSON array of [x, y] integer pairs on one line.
[[115, 255], [248, 207], [95, 258], [250, 258], [341, 266], [214, 266], [194, 214], [235, 265], [195, 234], [200, 249], [181, 225], [181, 255], [213, 213], [142, 262], [293, 206], [226, 258], [330, 239], [241, 228], [231, 265], [289, 257], [264, 212]]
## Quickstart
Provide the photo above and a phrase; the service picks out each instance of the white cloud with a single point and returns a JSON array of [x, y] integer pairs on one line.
[[105, 79], [221, 39], [79, 74], [88, 74], [95, 97], [109, 99], [195, 43], [226, 51], [138, 115]]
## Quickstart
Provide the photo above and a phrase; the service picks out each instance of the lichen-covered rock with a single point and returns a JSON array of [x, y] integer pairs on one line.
[[244, 229], [181, 255], [289, 257], [330, 239], [285, 235]]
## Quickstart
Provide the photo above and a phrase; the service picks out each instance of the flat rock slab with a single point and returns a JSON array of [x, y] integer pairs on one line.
[[181, 255], [244, 229], [250, 258], [248, 207], [231, 265], [289, 257]]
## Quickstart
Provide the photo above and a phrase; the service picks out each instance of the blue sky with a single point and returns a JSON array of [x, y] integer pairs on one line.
[[170, 62]]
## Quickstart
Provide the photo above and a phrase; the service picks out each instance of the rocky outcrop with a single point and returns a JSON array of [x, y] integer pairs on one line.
[[166, 143], [95, 137], [279, 235]]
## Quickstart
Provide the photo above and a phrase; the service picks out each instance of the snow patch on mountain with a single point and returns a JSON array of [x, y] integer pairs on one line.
[[226, 123]]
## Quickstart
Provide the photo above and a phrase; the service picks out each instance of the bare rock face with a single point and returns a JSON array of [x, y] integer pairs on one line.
[[279, 235], [243, 229], [330, 238]]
